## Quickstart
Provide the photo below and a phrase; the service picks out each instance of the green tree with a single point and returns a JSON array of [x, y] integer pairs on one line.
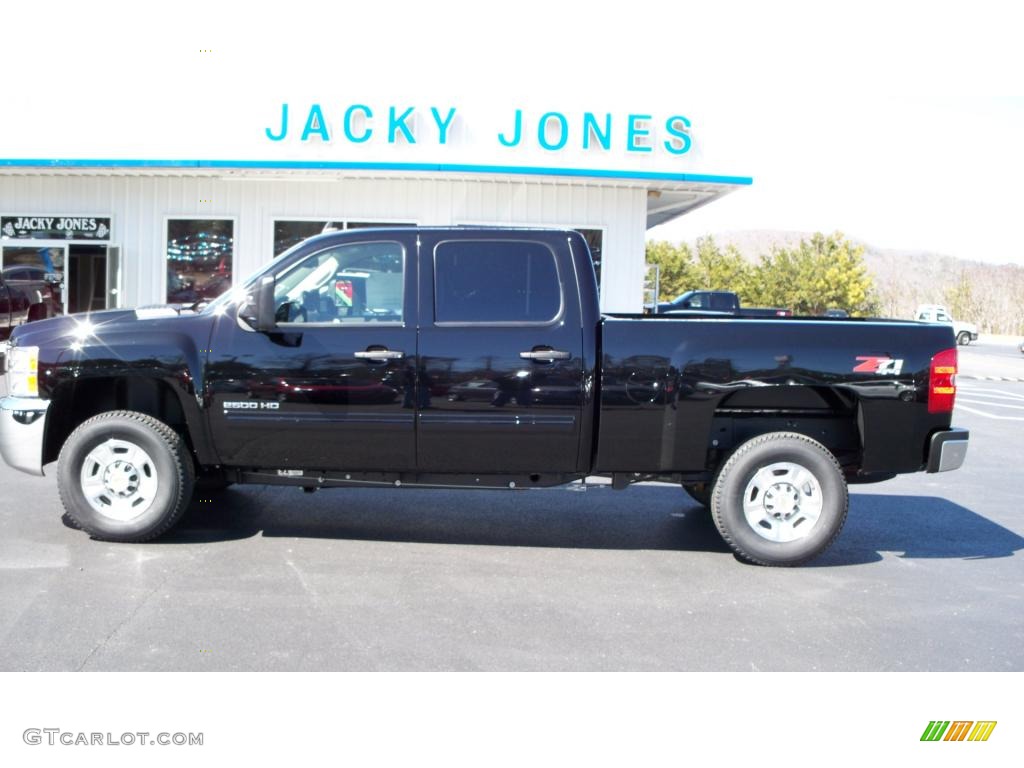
[[823, 272], [718, 270], [675, 263], [776, 279], [960, 299]]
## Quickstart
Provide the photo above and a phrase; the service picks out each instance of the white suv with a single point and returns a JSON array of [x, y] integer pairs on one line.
[[935, 313]]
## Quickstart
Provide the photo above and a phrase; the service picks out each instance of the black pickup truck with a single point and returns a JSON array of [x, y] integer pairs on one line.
[[473, 358]]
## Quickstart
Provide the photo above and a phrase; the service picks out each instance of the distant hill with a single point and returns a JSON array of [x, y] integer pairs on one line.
[[991, 295]]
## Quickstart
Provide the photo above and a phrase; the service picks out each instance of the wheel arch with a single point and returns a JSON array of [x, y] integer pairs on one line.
[[78, 400]]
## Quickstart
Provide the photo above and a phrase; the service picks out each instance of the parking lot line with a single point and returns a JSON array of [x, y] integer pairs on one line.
[[989, 415], [995, 393], [989, 402]]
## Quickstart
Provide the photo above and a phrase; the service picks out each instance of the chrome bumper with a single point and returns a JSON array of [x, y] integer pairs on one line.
[[948, 449], [22, 426]]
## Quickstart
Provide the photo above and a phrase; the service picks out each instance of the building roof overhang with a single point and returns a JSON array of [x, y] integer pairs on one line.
[[669, 195]]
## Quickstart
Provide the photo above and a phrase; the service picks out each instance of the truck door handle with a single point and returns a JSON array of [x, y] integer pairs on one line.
[[380, 355], [545, 355]]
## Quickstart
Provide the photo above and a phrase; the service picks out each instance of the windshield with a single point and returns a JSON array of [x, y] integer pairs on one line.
[[239, 292], [678, 300]]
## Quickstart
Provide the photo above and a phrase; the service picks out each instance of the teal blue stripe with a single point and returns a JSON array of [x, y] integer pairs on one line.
[[361, 166]]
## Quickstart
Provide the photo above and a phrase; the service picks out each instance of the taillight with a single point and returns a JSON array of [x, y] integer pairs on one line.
[[942, 382]]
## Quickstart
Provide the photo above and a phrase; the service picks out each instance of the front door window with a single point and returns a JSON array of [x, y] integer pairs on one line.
[[352, 283]]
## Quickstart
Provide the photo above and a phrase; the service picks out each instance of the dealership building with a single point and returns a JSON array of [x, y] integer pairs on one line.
[[152, 216]]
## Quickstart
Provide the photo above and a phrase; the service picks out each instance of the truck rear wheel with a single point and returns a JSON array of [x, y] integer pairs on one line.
[[963, 338], [124, 476], [780, 499]]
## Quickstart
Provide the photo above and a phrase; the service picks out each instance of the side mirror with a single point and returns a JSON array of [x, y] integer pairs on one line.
[[265, 305], [259, 311]]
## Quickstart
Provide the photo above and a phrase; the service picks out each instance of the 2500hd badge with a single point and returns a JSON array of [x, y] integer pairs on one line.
[[251, 405]]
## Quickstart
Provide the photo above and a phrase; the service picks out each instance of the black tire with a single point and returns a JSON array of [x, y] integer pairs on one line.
[[163, 479], [69, 522], [699, 492], [765, 471], [963, 338]]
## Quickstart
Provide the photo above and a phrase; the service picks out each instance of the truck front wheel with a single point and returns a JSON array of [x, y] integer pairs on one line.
[[124, 476], [780, 499]]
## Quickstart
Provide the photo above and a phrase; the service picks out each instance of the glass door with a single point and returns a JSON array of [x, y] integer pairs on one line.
[[39, 271]]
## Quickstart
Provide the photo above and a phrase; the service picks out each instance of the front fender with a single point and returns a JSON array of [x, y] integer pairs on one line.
[[174, 358]]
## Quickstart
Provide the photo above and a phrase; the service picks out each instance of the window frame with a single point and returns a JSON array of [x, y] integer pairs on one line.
[[327, 219], [558, 317], [403, 323]]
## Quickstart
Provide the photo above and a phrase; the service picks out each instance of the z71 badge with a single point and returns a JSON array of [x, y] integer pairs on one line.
[[886, 366]]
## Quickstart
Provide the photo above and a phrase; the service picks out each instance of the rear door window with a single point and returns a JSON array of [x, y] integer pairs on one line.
[[496, 281], [507, 282]]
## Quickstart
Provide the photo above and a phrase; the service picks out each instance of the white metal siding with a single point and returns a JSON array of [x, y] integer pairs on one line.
[[140, 205]]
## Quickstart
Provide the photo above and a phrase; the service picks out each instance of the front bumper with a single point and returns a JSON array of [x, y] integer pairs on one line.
[[947, 449], [22, 427]]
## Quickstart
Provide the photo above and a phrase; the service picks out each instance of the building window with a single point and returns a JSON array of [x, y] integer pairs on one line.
[[199, 256], [289, 233], [292, 232]]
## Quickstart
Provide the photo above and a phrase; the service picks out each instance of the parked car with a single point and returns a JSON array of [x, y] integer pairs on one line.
[[716, 302], [14, 308], [773, 417], [836, 313], [964, 333], [42, 288]]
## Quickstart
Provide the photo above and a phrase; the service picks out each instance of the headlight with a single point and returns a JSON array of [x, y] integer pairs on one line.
[[23, 372]]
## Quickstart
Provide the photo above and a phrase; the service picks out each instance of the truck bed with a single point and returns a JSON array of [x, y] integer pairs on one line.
[[677, 391]]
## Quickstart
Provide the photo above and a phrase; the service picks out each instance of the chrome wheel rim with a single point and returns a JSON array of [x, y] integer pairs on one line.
[[782, 502], [119, 480]]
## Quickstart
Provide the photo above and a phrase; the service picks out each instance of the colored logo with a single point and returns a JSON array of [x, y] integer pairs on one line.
[[958, 730], [880, 365]]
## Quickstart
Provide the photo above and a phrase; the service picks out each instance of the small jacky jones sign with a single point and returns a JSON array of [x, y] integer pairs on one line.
[[55, 227]]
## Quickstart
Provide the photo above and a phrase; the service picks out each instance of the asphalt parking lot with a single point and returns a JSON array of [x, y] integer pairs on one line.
[[928, 574]]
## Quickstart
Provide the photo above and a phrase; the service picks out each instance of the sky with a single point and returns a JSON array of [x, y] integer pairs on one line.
[[896, 123], [901, 128]]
